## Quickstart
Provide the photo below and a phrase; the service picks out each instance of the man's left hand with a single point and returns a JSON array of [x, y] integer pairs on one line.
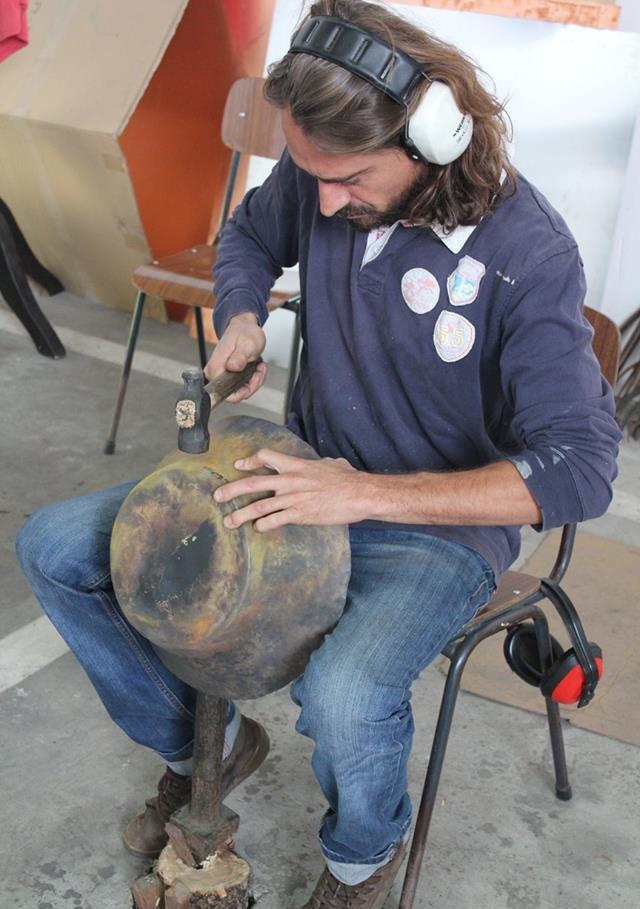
[[326, 491]]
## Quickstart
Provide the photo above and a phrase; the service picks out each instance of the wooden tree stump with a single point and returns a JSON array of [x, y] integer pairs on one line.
[[147, 892], [221, 882]]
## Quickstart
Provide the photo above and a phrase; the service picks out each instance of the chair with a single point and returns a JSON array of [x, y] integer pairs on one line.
[[514, 601], [250, 125]]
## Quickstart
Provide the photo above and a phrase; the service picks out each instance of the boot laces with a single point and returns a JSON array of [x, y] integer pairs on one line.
[[174, 791], [333, 894]]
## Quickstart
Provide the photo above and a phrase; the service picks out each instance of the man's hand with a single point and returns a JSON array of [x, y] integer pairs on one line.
[[242, 341], [327, 491]]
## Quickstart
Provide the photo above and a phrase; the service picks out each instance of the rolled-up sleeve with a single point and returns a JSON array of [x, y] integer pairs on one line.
[[256, 244], [563, 409]]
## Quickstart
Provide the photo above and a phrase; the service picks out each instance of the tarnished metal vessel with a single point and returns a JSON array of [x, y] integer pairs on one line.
[[235, 613]]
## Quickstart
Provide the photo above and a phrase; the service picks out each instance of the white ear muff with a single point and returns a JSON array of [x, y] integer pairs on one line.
[[438, 128], [438, 132]]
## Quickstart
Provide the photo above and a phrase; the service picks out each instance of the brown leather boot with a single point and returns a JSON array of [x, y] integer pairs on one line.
[[144, 835], [370, 894]]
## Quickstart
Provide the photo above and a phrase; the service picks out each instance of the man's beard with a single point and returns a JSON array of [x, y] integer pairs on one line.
[[365, 218]]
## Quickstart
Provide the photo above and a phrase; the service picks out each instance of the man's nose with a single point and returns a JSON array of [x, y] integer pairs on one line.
[[333, 197]]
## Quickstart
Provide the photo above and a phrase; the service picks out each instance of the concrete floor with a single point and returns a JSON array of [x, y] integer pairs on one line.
[[499, 839]]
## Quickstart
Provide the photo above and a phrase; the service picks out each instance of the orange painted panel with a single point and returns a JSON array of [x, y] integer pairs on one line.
[[601, 14], [177, 162], [172, 144], [249, 24]]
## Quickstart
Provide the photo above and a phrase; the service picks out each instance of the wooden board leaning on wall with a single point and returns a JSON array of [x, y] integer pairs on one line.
[[594, 13]]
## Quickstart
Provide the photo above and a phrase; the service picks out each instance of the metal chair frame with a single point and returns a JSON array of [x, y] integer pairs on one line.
[[458, 650], [496, 619]]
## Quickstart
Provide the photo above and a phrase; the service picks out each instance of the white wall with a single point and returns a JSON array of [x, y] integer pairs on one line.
[[621, 294], [630, 15]]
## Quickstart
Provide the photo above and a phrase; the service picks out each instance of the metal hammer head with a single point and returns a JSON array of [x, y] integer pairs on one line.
[[193, 408]]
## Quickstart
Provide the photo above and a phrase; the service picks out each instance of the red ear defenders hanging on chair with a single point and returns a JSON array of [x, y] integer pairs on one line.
[[437, 132], [564, 681], [573, 674]]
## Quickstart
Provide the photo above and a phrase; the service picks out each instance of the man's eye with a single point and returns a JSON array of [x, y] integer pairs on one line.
[[339, 183]]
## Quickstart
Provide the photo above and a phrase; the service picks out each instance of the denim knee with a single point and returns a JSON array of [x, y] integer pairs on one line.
[[68, 542], [35, 543], [346, 703]]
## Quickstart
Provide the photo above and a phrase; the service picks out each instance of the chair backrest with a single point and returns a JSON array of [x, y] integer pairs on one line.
[[250, 124], [606, 343], [606, 346]]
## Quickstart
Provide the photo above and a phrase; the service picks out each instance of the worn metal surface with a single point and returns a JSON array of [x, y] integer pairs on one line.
[[211, 722], [205, 825], [234, 613]]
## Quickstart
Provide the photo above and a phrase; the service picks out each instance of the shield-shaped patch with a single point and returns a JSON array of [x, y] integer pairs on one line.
[[464, 283]]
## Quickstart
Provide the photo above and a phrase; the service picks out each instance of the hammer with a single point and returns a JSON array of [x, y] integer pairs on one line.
[[194, 406]]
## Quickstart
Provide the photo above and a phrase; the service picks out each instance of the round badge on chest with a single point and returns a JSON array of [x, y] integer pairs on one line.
[[420, 290]]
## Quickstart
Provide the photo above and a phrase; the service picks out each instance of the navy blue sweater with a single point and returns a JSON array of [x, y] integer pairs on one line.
[[441, 354]]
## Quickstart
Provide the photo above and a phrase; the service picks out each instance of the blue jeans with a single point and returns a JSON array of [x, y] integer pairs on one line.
[[408, 594]]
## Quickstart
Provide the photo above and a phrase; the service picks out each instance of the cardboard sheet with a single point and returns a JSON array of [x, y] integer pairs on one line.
[[87, 62], [71, 194], [603, 581], [110, 152], [64, 101]]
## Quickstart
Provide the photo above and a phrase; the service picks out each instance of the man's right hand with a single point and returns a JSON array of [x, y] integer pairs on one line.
[[243, 340]]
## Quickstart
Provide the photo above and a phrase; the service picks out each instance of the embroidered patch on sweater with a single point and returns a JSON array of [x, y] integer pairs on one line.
[[420, 290], [464, 283], [453, 336]]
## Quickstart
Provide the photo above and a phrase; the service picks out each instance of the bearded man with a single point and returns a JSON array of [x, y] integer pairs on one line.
[[447, 382]]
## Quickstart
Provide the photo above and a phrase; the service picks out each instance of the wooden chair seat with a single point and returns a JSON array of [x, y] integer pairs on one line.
[[514, 587], [185, 277]]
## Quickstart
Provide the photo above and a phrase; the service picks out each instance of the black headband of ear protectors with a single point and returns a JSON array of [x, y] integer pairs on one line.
[[437, 131], [390, 71]]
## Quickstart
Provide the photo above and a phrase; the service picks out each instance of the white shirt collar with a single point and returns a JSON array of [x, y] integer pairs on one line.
[[456, 238]]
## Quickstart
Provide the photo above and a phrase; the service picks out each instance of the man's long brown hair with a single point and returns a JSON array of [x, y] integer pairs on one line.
[[343, 114]]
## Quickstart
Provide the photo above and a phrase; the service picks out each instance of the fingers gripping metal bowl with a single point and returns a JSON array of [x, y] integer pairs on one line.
[[235, 613]]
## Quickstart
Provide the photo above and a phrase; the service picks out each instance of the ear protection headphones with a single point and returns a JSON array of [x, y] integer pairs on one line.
[[573, 674], [438, 132], [564, 681]]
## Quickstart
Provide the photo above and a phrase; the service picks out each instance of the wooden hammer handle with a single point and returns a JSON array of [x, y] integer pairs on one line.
[[228, 382]]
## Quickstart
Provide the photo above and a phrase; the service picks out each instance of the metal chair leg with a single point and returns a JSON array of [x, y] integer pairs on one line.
[[459, 651], [202, 347], [563, 786], [293, 359], [110, 444], [436, 760]]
